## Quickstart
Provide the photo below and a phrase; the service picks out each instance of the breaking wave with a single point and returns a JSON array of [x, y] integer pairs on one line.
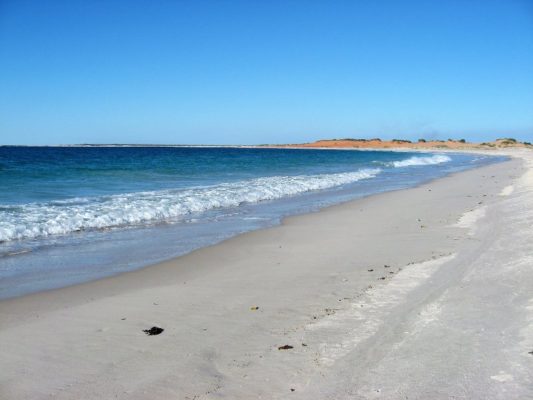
[[36, 220], [436, 159]]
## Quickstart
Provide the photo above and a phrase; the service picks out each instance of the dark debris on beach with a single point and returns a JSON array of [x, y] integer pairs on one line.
[[154, 330], [286, 347]]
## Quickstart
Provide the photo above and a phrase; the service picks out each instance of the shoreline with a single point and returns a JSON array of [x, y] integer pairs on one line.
[[310, 279], [284, 220], [73, 281]]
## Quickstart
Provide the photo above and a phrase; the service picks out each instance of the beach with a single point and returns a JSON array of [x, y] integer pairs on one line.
[[416, 293]]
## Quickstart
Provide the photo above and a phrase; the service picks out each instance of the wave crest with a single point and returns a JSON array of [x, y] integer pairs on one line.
[[431, 160], [38, 220]]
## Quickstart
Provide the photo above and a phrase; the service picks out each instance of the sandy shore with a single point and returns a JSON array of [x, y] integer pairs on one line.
[[423, 293]]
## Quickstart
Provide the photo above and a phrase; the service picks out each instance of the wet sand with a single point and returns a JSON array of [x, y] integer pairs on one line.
[[419, 293]]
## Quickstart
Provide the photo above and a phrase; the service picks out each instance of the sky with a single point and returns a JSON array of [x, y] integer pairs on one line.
[[252, 72]]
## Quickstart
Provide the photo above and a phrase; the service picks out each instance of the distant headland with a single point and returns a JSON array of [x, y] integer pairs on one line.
[[377, 143]]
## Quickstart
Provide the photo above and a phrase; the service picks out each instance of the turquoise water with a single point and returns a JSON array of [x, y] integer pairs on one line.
[[72, 214]]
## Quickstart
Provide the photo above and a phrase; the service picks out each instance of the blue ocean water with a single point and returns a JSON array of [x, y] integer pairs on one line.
[[72, 214]]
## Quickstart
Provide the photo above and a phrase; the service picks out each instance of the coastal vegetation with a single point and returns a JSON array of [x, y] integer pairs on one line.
[[405, 143]]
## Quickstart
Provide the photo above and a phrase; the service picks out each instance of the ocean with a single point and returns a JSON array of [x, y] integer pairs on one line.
[[74, 214]]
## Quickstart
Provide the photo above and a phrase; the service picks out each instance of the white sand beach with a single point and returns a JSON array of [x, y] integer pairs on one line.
[[423, 293]]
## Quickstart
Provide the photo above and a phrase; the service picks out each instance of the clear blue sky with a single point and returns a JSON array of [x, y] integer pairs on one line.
[[219, 71]]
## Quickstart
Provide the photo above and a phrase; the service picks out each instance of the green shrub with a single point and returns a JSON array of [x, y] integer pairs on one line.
[[401, 141], [508, 140]]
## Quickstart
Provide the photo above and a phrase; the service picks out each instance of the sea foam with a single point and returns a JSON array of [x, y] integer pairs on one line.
[[36, 220], [413, 161]]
